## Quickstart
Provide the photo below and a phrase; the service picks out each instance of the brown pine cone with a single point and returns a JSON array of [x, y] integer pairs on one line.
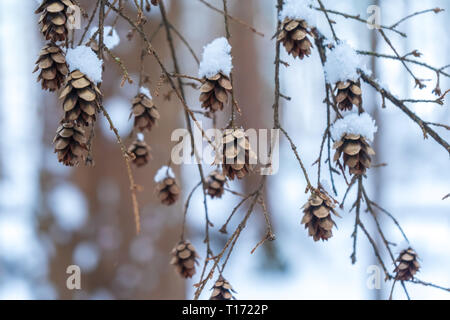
[[238, 157], [70, 144], [53, 19], [145, 112], [214, 92], [357, 152], [317, 216], [215, 184], [81, 99], [168, 191], [222, 290], [184, 258], [141, 152], [348, 94], [408, 265], [52, 66], [294, 36]]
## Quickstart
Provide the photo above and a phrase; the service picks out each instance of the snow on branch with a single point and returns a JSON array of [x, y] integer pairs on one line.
[[299, 10], [342, 64]]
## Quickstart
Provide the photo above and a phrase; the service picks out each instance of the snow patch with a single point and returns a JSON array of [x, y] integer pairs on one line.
[[145, 91], [216, 58], [110, 37], [164, 172], [299, 10], [84, 59], [342, 64], [354, 123]]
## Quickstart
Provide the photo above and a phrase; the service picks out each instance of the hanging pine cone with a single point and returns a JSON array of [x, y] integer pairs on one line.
[[168, 191], [222, 290], [357, 152], [238, 158], [70, 144], [317, 216], [408, 265], [141, 152], [145, 113], [294, 36], [53, 19], [214, 92], [52, 66], [215, 184], [81, 99], [184, 258], [348, 94]]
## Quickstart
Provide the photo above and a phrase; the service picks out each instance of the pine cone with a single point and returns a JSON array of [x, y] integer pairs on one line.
[[70, 144], [237, 155], [52, 63], [294, 36], [222, 290], [215, 183], [141, 152], [155, 2], [348, 94], [168, 191], [317, 216], [145, 112], [408, 265], [81, 99], [357, 152], [184, 258], [214, 92], [53, 19]]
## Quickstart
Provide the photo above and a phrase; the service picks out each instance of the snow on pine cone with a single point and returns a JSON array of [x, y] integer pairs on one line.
[[408, 265], [222, 290], [294, 36], [54, 18], [356, 153], [348, 94], [81, 99], [168, 191], [237, 154], [53, 67], [141, 152], [145, 112], [70, 144], [214, 92], [317, 216], [215, 184], [184, 258]]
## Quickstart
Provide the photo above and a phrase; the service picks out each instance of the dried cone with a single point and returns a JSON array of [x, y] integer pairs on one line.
[[348, 94], [237, 155], [294, 36], [141, 152], [357, 152], [53, 19], [317, 216], [168, 191], [214, 92], [70, 144], [184, 258], [222, 290], [81, 99], [408, 265], [215, 184], [52, 66], [145, 113]]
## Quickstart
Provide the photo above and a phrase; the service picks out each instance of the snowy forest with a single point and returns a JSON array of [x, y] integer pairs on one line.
[[224, 149]]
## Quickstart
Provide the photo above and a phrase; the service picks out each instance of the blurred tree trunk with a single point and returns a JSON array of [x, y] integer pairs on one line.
[[156, 279]]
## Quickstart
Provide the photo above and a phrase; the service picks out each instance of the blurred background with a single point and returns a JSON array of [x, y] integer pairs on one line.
[[52, 216]]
